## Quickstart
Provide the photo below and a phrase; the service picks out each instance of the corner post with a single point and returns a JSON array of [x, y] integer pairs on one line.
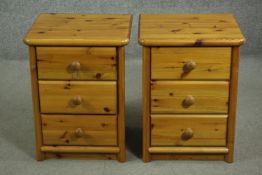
[[36, 105], [232, 104], [146, 103]]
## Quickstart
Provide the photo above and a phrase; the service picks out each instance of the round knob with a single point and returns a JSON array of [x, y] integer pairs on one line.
[[79, 132], [187, 134], [188, 101], [189, 66], [77, 100], [75, 66]]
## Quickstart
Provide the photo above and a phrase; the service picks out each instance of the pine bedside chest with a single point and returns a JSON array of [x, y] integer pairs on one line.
[[77, 70], [190, 76]]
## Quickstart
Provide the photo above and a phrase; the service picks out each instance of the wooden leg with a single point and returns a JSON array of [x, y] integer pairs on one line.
[[121, 157], [36, 108], [232, 104], [146, 156], [229, 158], [121, 105], [146, 103]]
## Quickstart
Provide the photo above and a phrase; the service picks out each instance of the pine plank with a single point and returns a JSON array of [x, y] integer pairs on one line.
[[80, 156], [121, 104], [146, 103], [189, 150], [96, 97], [36, 105], [187, 156], [233, 104], [80, 149], [209, 96], [208, 130], [211, 63], [96, 63], [96, 130], [189, 30], [67, 29]]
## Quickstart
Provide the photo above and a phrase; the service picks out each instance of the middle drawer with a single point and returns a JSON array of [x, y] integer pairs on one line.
[[85, 97], [189, 97]]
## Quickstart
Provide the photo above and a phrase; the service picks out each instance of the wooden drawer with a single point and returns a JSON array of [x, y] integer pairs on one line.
[[188, 130], [189, 96], [190, 63], [83, 63], [83, 97], [79, 129]]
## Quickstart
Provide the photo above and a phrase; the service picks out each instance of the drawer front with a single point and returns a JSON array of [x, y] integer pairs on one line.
[[189, 96], [191, 63], [188, 130], [83, 63], [90, 97], [79, 129]]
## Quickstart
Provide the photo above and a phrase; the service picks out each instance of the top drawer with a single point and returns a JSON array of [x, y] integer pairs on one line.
[[83, 63], [204, 63]]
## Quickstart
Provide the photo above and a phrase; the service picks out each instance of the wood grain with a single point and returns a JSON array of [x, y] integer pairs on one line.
[[232, 110], [212, 63], [80, 30], [80, 156], [194, 61], [187, 157], [189, 150], [121, 104], [189, 30], [96, 97], [169, 96], [208, 130], [80, 149], [96, 63], [36, 106], [146, 103], [97, 129]]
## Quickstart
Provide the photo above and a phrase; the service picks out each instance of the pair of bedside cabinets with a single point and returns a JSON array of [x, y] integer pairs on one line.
[[190, 74]]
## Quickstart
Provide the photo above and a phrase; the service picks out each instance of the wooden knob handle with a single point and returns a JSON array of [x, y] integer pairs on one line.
[[79, 132], [189, 66], [188, 101], [77, 100], [75, 66], [187, 134]]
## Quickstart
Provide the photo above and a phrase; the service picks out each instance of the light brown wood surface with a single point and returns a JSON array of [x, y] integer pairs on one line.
[[146, 103], [77, 69], [96, 97], [187, 156], [95, 130], [36, 106], [212, 63], [96, 63], [193, 68], [169, 96], [80, 149], [121, 104], [189, 150], [80, 30], [81, 156], [208, 130], [189, 30], [232, 104]]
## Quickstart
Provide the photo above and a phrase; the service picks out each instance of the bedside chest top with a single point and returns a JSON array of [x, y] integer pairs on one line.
[[80, 30], [189, 30]]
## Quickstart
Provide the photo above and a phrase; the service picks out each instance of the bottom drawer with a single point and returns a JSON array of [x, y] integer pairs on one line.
[[79, 129], [188, 130]]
